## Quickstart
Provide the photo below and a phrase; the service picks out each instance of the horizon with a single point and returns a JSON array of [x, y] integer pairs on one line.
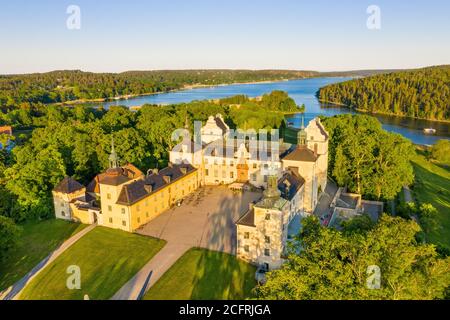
[[323, 36], [221, 69]]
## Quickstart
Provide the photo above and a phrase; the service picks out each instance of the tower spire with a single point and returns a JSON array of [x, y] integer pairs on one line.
[[113, 158], [186, 120], [302, 136], [272, 193]]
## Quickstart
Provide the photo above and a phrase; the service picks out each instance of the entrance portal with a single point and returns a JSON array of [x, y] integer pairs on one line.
[[242, 173]]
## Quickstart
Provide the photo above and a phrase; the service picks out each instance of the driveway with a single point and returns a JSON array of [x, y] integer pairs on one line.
[[205, 219], [13, 292]]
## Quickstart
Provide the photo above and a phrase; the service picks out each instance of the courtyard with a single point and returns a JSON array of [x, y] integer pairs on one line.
[[205, 219]]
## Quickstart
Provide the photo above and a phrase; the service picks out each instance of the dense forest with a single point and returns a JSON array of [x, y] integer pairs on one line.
[[423, 93], [62, 86], [29, 90]]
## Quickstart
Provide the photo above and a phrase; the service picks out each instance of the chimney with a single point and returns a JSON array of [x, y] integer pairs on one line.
[[148, 187], [152, 171], [166, 179], [170, 165], [183, 170]]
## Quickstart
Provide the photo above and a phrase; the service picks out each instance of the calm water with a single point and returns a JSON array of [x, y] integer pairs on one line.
[[303, 92]]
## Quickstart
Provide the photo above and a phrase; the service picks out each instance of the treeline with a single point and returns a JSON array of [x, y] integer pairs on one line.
[[423, 93], [21, 91], [75, 141], [367, 159], [247, 113]]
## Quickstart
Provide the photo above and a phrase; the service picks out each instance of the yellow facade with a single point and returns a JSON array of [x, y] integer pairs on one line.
[[113, 215], [156, 203], [132, 217], [62, 203], [82, 215]]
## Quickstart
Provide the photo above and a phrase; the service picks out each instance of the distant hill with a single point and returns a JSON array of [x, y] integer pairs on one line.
[[74, 85], [68, 85], [357, 73], [421, 93]]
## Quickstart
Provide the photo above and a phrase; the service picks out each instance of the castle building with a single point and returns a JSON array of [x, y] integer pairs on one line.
[[215, 129], [123, 197], [292, 176], [262, 232], [346, 206], [228, 160]]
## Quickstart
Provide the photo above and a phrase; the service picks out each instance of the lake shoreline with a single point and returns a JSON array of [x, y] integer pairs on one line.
[[184, 88], [341, 105]]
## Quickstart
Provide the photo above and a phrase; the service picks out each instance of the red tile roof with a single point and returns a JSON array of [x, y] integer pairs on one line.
[[6, 130]]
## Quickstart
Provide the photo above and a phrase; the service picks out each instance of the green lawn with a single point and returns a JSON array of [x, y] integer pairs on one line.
[[38, 239], [205, 275], [432, 185], [107, 259]]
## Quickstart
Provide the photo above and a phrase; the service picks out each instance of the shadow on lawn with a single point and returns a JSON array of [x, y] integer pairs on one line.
[[220, 275], [430, 187]]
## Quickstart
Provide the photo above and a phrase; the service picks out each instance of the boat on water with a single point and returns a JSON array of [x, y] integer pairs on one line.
[[429, 131]]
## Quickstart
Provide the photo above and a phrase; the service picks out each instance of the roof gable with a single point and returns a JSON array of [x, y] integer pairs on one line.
[[68, 185], [301, 154]]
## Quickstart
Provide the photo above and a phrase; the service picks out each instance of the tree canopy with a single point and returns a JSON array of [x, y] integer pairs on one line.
[[367, 159], [76, 141], [423, 93], [19, 91], [334, 265], [441, 151]]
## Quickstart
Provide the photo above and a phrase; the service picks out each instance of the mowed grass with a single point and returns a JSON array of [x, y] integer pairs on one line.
[[205, 275], [107, 259], [38, 240], [432, 185]]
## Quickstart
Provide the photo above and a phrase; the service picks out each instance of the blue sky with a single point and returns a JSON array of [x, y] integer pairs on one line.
[[319, 35]]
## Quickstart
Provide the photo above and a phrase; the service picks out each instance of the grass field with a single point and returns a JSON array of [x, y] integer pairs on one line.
[[107, 259], [432, 185], [205, 275], [38, 239]]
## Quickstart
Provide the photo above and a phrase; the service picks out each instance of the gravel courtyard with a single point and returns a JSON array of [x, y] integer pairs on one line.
[[205, 219]]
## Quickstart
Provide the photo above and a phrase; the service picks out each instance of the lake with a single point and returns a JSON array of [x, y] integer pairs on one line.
[[303, 92]]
